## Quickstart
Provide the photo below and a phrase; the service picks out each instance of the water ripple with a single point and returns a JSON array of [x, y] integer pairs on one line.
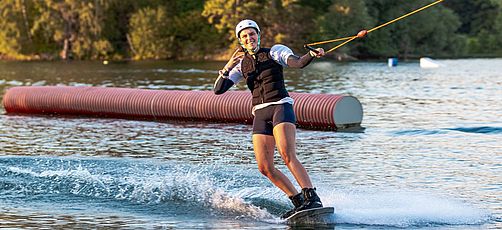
[[482, 129], [476, 130]]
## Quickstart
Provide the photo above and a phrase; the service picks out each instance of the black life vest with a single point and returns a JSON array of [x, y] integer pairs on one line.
[[264, 77]]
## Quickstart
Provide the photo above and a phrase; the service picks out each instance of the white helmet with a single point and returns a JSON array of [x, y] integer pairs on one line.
[[244, 24]]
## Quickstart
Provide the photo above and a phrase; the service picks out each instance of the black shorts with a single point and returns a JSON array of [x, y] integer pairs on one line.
[[267, 118]]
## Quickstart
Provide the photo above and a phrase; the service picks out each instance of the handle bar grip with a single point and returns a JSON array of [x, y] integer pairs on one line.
[[311, 48]]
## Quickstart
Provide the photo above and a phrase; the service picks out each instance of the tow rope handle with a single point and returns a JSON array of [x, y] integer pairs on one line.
[[310, 48]]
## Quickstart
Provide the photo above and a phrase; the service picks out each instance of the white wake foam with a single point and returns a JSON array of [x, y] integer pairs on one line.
[[402, 209]]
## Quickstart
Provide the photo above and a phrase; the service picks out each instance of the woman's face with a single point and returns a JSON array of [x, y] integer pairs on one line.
[[249, 38]]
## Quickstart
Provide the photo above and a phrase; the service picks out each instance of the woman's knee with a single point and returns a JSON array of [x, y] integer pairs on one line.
[[289, 157], [287, 151], [266, 169]]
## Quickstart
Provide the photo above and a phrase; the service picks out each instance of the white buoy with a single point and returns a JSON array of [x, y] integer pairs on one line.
[[392, 62], [428, 63]]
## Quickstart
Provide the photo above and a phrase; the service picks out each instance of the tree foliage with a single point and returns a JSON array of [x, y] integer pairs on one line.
[[204, 29], [344, 18], [15, 38], [74, 25], [149, 36]]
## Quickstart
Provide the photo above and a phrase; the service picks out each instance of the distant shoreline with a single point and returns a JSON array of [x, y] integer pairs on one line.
[[339, 59]]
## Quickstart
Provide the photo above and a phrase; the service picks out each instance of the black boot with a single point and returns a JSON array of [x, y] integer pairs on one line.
[[311, 199], [297, 202]]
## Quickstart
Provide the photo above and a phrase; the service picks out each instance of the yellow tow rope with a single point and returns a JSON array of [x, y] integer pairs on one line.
[[363, 33]]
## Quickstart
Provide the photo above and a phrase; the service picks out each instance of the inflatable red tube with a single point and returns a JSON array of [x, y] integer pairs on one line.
[[314, 111]]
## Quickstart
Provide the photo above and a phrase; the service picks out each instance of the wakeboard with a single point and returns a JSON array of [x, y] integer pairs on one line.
[[312, 216]]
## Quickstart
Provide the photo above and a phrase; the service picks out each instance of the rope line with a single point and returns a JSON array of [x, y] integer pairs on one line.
[[330, 41], [351, 38], [342, 44]]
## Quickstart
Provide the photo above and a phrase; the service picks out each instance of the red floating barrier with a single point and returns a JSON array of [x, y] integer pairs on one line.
[[313, 111]]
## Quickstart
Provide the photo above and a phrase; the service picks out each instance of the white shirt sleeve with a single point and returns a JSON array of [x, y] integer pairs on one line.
[[235, 74], [280, 54]]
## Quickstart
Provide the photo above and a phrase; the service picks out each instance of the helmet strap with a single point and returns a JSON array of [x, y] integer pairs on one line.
[[259, 42]]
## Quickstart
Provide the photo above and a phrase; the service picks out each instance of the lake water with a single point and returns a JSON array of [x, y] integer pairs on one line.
[[430, 157]]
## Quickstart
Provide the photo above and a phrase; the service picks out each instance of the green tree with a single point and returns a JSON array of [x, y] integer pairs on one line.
[[430, 32], [479, 22], [319, 6], [224, 15], [15, 39], [283, 21], [194, 38], [292, 23], [498, 33], [344, 18], [75, 26], [199, 29], [116, 25], [475, 15], [149, 34]]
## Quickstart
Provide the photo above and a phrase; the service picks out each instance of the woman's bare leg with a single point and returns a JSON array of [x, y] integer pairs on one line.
[[285, 138], [264, 146]]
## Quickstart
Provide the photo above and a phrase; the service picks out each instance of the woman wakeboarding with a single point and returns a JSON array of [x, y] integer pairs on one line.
[[274, 118]]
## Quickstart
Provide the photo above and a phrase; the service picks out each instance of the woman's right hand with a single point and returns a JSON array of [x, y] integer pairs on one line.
[[234, 60]]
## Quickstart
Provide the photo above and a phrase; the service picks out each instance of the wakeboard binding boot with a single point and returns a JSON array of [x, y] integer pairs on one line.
[[312, 200], [297, 201]]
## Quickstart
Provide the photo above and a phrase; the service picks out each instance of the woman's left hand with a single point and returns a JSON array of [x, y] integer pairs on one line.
[[320, 52]]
